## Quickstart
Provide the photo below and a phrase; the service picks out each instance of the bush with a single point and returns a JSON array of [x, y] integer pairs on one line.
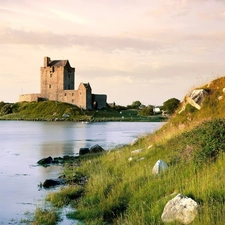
[[171, 105], [147, 111], [6, 109]]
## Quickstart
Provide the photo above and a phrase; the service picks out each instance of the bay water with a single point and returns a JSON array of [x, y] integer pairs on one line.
[[23, 143]]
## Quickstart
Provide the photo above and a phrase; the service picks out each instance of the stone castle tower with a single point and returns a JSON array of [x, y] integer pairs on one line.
[[57, 84]]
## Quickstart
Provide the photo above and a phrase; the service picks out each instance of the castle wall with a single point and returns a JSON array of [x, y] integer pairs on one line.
[[29, 97], [99, 101]]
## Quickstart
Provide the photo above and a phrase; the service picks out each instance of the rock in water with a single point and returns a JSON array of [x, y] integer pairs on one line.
[[84, 151], [181, 209], [52, 183], [96, 149], [44, 161]]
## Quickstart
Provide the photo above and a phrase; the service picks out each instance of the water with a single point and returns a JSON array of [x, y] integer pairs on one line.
[[23, 143]]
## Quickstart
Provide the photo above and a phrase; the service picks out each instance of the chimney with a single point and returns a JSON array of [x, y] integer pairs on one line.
[[46, 61]]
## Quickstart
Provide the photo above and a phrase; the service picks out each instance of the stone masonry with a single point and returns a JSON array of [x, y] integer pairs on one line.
[[57, 84]]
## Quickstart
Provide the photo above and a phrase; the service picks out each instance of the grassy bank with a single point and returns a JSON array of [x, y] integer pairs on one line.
[[59, 111], [121, 188]]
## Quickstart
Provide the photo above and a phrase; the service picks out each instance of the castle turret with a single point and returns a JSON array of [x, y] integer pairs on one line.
[[46, 61]]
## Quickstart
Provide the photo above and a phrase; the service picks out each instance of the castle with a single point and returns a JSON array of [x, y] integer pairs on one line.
[[57, 84]]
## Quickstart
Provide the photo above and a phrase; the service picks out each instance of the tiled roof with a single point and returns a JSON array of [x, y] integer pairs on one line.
[[58, 63]]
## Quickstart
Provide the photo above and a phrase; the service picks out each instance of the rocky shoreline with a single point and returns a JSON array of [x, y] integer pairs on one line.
[[78, 179]]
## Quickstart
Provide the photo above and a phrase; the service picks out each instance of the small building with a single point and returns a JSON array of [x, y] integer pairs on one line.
[[57, 84]]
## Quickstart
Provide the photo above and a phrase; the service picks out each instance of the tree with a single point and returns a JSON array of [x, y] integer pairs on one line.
[[147, 111], [135, 105], [171, 105], [6, 109]]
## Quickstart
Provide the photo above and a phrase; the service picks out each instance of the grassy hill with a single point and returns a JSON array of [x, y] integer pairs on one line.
[[121, 191], [51, 111]]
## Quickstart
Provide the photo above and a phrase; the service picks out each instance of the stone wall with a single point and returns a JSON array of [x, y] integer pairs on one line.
[[99, 101], [29, 97]]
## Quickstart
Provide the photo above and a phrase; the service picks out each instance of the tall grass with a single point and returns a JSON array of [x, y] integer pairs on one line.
[[192, 143], [126, 192]]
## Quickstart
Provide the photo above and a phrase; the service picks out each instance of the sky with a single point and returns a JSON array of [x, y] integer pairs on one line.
[[131, 50]]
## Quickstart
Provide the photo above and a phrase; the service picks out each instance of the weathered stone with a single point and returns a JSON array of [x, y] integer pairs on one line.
[[84, 151], [96, 149], [58, 160], [52, 183], [159, 167], [181, 209], [134, 141], [137, 151], [45, 161], [196, 97]]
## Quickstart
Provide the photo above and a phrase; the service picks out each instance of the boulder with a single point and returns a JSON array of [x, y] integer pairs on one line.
[[84, 151], [58, 160], [45, 161], [159, 167], [49, 183], [96, 149], [196, 97], [180, 209], [134, 141]]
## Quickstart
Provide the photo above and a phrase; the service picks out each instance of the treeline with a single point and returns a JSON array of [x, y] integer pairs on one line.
[[167, 108]]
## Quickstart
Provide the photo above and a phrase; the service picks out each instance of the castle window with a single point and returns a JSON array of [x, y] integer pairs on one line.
[[72, 94], [53, 69], [65, 94], [72, 100], [49, 86], [50, 75], [68, 86]]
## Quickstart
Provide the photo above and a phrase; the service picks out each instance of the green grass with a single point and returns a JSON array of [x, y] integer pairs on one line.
[[65, 196], [126, 192], [192, 144], [45, 217], [51, 111]]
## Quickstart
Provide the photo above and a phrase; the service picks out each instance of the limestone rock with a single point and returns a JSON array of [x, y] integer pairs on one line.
[[196, 97], [134, 141], [181, 209], [159, 167], [96, 148], [137, 151]]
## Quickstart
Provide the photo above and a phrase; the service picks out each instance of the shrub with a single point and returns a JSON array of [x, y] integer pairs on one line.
[[171, 105], [6, 109]]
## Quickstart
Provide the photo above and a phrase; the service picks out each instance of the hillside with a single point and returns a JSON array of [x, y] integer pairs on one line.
[[60, 111], [121, 188]]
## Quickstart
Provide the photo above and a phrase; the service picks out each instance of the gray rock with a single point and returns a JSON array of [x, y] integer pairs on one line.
[[84, 151], [96, 149], [181, 209], [133, 142], [45, 161], [159, 167], [49, 183]]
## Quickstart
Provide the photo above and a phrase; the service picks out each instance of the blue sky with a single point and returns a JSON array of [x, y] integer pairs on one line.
[[130, 50]]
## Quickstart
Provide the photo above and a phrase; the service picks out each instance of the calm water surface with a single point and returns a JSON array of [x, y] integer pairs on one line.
[[23, 143]]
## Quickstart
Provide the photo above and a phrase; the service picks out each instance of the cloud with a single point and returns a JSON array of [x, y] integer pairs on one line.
[[50, 39]]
